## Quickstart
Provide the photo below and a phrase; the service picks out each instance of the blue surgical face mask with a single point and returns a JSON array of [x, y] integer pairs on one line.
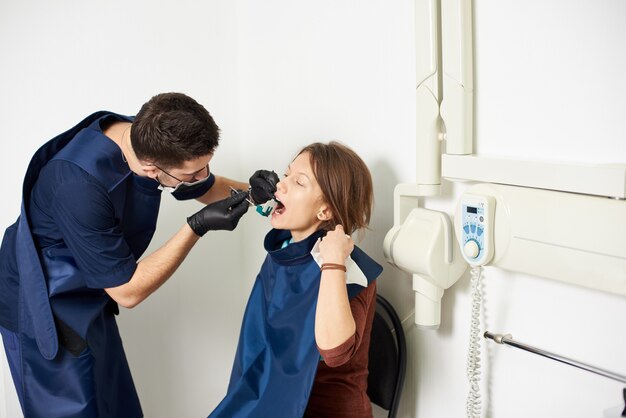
[[183, 186]]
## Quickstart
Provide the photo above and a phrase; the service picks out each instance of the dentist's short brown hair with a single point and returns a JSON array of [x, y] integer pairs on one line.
[[346, 184], [172, 128]]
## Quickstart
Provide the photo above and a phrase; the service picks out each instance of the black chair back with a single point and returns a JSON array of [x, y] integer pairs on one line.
[[387, 358]]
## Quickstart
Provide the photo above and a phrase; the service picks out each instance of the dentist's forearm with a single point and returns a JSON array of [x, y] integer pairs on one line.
[[155, 269]]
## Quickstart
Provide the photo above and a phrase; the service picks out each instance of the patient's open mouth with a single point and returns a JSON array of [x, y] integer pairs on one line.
[[280, 208]]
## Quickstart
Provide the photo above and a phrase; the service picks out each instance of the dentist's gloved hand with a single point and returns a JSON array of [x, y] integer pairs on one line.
[[220, 215], [263, 186]]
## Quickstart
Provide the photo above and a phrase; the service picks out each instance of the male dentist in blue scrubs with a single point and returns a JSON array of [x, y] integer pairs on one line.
[[90, 205]]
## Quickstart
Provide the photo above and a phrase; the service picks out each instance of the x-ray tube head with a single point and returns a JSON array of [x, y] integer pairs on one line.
[[423, 245]]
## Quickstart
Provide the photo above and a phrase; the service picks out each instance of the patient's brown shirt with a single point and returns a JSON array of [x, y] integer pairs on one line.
[[340, 386]]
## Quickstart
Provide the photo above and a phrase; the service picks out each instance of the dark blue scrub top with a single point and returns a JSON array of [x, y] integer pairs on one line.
[[70, 208]]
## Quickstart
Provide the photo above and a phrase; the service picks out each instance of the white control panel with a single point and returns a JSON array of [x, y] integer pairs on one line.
[[476, 223]]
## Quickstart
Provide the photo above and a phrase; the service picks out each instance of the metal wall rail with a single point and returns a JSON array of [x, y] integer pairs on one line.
[[508, 340]]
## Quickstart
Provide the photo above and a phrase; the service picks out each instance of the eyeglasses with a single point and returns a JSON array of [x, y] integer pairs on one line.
[[182, 183]]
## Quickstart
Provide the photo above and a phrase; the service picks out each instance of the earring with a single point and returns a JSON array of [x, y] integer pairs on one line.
[[320, 215]]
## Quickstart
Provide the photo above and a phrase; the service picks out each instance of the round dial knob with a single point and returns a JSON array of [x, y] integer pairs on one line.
[[471, 249]]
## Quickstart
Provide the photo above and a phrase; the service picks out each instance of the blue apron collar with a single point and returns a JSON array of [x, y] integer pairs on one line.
[[111, 169], [295, 253], [300, 252], [48, 150]]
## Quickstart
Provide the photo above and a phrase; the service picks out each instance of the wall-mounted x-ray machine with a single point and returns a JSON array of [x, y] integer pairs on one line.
[[558, 220], [551, 219]]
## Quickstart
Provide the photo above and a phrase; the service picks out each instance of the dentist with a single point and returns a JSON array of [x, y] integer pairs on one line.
[[90, 205]]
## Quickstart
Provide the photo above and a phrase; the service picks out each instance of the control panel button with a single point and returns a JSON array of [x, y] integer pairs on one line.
[[471, 249]]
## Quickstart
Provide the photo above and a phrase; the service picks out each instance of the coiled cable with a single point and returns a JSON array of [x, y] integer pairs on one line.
[[473, 404]]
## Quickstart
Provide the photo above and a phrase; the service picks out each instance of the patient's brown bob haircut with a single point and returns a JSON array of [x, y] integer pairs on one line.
[[346, 184]]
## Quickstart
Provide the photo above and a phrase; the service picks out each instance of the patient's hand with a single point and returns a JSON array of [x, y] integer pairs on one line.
[[336, 246]]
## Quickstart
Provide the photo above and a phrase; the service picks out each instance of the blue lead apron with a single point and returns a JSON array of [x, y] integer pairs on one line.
[[277, 356], [89, 377]]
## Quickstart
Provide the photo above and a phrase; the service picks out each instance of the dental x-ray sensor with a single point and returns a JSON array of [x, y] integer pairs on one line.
[[266, 208]]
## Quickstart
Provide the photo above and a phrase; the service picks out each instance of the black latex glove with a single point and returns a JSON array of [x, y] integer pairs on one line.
[[220, 215], [263, 186]]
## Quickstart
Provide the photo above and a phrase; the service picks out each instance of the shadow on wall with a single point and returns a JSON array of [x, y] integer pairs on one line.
[[394, 284]]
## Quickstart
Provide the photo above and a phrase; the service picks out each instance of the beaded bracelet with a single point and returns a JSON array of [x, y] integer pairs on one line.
[[333, 266]]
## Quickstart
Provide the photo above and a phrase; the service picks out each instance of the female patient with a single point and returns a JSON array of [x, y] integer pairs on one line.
[[304, 342]]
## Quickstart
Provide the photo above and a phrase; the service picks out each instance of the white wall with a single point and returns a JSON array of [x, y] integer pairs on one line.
[[279, 74]]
